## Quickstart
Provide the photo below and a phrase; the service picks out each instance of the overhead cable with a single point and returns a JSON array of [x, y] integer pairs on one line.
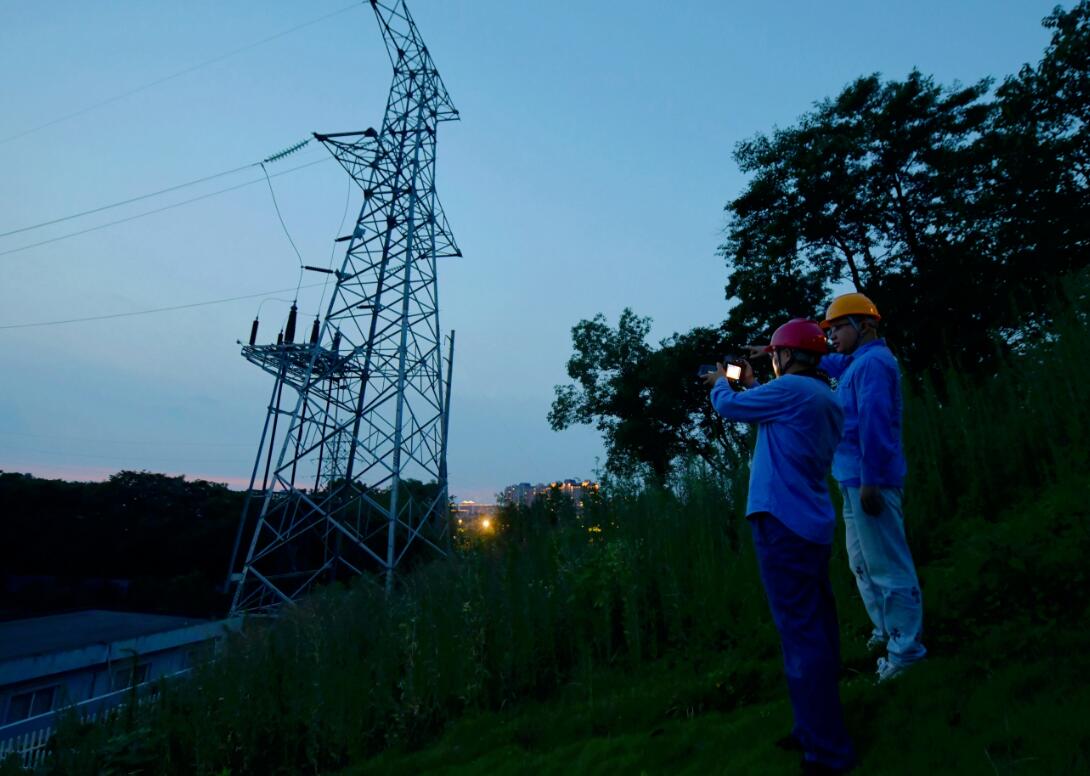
[[176, 74], [160, 209], [171, 442], [274, 158], [126, 201], [155, 310], [276, 206]]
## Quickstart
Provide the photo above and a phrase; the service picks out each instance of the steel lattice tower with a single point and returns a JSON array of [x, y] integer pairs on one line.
[[361, 473]]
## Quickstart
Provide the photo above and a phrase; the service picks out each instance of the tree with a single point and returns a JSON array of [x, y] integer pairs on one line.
[[647, 402], [957, 209], [868, 189], [1037, 198]]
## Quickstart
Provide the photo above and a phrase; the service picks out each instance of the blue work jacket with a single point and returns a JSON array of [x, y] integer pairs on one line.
[[869, 389], [799, 423]]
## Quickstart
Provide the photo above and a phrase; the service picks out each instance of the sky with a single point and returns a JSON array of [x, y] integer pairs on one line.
[[588, 174]]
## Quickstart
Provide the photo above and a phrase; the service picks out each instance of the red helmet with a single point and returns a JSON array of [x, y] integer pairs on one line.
[[799, 334]]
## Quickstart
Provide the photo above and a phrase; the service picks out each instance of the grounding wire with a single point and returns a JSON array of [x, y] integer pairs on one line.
[[274, 158], [160, 209], [177, 74], [152, 311]]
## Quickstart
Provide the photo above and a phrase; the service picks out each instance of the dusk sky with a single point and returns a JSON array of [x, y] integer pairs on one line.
[[589, 173]]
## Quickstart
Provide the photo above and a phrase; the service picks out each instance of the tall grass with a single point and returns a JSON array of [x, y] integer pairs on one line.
[[976, 447], [348, 673], [554, 596]]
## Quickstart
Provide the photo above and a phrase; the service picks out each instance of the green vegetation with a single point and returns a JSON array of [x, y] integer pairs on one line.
[[954, 208], [647, 644], [138, 541], [635, 636]]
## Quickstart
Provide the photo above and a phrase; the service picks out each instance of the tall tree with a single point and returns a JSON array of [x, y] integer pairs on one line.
[[646, 401], [865, 192], [1037, 196], [956, 208]]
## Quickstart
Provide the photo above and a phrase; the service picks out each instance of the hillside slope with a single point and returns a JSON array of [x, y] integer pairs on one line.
[[1004, 689]]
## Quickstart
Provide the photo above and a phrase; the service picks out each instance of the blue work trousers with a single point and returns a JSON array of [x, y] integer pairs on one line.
[[795, 573]]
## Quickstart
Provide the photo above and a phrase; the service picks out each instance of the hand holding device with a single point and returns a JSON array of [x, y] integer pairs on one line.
[[733, 369]]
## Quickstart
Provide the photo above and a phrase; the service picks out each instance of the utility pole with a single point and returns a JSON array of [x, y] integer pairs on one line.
[[360, 479]]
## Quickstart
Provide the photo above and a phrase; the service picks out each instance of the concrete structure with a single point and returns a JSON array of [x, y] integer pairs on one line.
[[89, 660]]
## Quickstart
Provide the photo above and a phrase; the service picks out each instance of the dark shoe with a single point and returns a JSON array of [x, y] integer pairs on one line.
[[811, 768], [789, 743]]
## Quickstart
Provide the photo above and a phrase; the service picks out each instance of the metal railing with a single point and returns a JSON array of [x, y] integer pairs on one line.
[[29, 738]]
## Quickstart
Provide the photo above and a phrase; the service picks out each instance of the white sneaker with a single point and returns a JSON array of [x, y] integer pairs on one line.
[[876, 640], [888, 670]]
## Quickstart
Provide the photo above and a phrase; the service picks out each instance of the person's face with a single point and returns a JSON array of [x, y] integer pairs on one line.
[[844, 336]]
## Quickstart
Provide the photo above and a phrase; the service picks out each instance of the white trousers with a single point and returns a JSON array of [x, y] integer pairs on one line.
[[885, 574]]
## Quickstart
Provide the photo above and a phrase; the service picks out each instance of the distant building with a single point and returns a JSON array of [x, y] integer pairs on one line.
[[522, 493], [525, 494], [88, 660], [471, 509]]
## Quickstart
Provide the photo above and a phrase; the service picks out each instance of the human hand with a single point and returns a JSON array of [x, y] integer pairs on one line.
[[756, 351], [711, 378], [748, 379], [870, 498]]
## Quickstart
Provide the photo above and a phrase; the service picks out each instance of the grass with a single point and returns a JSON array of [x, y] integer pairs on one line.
[[1003, 691], [636, 636]]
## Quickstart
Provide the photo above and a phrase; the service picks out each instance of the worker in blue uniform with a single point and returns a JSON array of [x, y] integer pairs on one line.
[[870, 467], [791, 516]]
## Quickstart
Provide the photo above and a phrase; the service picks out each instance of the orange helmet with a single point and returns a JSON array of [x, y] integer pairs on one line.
[[850, 304]]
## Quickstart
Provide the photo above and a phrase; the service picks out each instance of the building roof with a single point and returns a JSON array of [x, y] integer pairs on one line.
[[62, 632]]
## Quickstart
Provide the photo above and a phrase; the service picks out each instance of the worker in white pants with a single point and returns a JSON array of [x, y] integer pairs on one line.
[[870, 466]]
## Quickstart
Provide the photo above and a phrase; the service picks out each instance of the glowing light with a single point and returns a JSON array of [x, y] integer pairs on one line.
[[486, 524]]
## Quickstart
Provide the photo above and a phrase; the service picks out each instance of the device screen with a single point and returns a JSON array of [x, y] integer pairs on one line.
[[734, 372]]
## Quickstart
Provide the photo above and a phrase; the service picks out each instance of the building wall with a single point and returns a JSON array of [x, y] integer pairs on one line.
[[91, 681]]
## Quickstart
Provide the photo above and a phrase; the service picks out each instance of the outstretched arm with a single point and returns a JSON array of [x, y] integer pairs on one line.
[[834, 364], [757, 405]]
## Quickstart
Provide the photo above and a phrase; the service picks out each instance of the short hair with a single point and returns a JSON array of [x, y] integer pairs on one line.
[[805, 357]]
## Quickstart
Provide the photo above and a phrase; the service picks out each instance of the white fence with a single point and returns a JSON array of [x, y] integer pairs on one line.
[[29, 738]]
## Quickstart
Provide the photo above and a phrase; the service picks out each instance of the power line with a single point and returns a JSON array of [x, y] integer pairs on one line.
[[155, 310], [141, 442], [282, 224], [127, 458], [159, 210], [126, 201], [275, 157], [333, 250], [172, 76]]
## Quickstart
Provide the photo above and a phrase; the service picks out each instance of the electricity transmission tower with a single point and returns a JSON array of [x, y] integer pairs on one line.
[[360, 475]]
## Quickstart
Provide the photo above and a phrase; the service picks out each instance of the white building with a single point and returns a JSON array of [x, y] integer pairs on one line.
[[88, 660]]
